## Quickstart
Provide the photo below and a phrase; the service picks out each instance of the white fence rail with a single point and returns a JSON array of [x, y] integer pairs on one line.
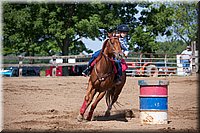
[[139, 64]]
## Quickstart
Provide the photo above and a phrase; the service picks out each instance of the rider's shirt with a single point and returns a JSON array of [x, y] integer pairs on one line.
[[186, 55], [124, 45]]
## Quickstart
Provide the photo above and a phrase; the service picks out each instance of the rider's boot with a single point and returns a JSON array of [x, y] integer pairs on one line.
[[118, 80], [86, 72]]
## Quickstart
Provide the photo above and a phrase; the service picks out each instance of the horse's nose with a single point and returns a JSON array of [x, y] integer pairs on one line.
[[120, 55]]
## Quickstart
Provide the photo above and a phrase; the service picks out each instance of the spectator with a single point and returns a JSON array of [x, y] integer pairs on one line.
[[185, 58]]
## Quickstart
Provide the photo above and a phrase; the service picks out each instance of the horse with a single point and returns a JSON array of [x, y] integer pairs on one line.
[[101, 79]]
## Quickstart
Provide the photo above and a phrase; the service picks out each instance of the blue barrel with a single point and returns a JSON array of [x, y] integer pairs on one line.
[[153, 100], [153, 103]]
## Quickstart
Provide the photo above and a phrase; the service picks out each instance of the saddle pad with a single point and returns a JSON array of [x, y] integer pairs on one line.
[[124, 65]]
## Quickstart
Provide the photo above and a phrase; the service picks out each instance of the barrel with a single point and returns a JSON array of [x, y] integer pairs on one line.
[[153, 100]]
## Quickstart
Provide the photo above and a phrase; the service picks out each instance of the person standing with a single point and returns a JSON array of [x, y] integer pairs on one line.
[[185, 58]]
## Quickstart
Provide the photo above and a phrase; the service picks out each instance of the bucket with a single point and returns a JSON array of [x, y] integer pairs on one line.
[[153, 101]]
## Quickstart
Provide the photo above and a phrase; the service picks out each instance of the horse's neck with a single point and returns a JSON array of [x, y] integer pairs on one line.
[[105, 65]]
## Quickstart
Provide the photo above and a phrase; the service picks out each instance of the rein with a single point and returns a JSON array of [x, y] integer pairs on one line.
[[102, 78], [106, 55]]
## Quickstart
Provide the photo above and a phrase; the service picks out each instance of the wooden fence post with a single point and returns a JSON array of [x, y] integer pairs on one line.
[[20, 65], [54, 66], [193, 64], [166, 65], [141, 62]]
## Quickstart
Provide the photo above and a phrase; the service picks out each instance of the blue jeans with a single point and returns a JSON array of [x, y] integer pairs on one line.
[[94, 56], [186, 63], [117, 62]]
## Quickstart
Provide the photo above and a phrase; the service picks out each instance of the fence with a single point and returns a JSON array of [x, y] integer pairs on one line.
[[149, 64], [139, 64]]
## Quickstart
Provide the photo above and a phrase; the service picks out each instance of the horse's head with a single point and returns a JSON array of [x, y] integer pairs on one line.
[[113, 47]]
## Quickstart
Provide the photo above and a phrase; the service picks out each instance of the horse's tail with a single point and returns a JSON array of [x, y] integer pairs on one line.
[[113, 93], [109, 96]]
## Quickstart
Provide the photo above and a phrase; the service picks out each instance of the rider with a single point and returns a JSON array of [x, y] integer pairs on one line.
[[122, 32]]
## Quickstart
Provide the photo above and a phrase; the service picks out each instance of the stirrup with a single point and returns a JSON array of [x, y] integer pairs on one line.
[[85, 75], [118, 80], [86, 72]]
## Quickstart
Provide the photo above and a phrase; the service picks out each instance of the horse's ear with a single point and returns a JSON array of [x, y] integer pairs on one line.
[[110, 34], [104, 45], [117, 35]]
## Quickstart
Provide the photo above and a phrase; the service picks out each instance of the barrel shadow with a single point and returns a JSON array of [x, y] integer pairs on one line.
[[118, 116]]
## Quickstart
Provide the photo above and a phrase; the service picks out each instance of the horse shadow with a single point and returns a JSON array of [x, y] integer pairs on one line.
[[122, 116]]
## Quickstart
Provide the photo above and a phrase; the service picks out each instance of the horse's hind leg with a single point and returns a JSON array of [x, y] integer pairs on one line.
[[113, 95], [109, 95], [99, 97], [113, 100], [108, 110]]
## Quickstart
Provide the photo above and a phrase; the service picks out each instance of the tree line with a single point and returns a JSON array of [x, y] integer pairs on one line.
[[47, 28]]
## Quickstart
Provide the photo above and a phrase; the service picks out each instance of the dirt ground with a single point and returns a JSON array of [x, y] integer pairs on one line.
[[53, 103]]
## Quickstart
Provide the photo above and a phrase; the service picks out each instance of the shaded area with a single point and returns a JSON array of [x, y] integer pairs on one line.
[[121, 115]]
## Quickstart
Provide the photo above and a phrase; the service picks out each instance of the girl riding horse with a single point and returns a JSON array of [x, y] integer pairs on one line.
[[123, 31], [102, 76]]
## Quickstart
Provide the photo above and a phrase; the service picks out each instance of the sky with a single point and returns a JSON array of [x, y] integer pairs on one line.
[[93, 45]]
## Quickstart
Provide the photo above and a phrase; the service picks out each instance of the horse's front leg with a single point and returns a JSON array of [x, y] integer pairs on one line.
[[87, 100], [99, 97]]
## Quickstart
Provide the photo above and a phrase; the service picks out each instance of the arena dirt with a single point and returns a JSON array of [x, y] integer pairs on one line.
[[53, 103]]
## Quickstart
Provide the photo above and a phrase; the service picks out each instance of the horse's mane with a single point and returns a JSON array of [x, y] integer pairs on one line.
[[104, 45], [102, 50]]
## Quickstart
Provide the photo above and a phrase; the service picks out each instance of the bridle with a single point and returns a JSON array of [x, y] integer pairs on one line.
[[102, 78], [112, 45]]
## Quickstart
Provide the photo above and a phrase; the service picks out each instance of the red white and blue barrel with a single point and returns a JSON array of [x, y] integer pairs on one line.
[[153, 101]]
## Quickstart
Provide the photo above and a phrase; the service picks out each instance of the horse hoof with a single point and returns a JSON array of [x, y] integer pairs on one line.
[[88, 119], [85, 120], [107, 113], [80, 118]]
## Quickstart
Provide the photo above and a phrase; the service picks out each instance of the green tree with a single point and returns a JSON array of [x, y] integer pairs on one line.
[[185, 21], [155, 20], [38, 28], [171, 47], [17, 39]]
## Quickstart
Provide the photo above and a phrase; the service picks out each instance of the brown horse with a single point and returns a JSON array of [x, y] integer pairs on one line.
[[102, 78]]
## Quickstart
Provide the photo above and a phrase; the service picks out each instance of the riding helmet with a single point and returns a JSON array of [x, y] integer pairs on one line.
[[123, 28]]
